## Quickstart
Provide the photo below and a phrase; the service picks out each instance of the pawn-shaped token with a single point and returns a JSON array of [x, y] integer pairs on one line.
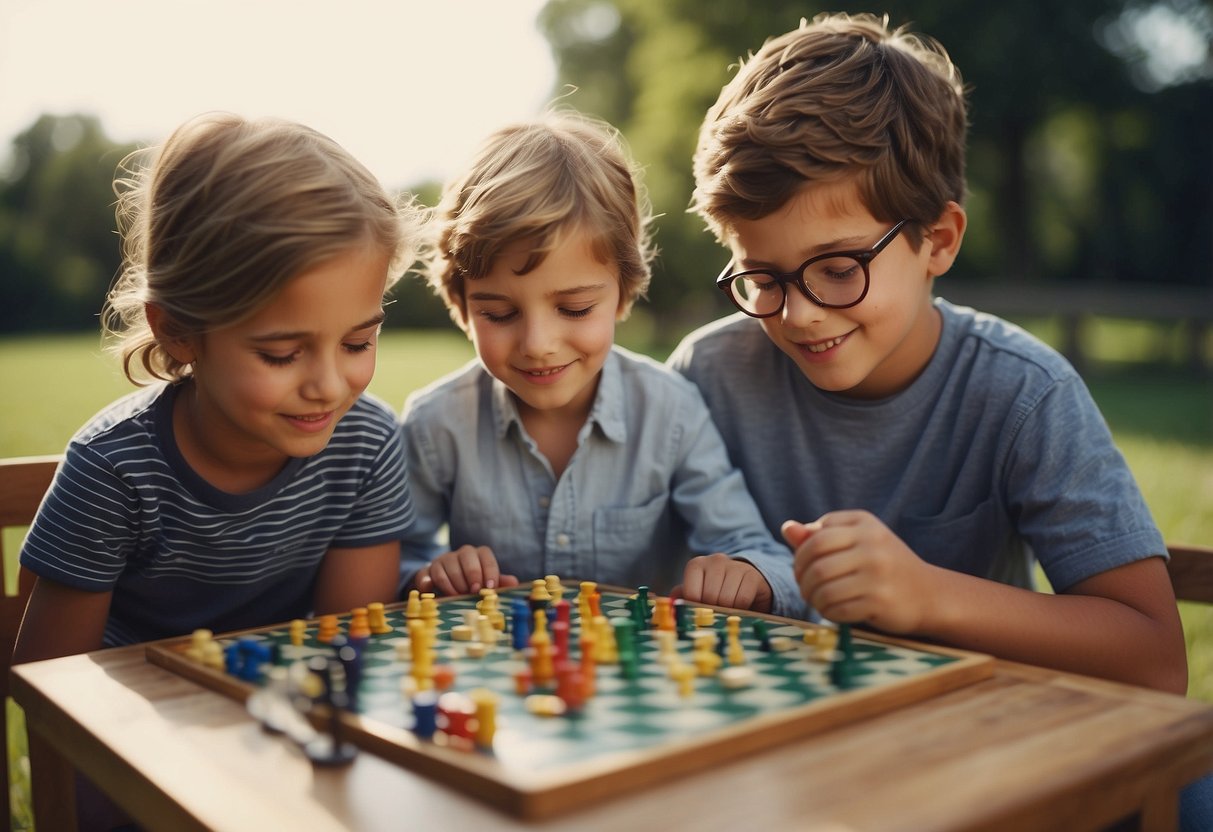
[[663, 614], [443, 676], [733, 678], [762, 631], [588, 588], [197, 649], [539, 597], [682, 623], [520, 627], [377, 618], [486, 632], [642, 595], [542, 665], [667, 652], [606, 648], [684, 675], [212, 655], [595, 605], [298, 632], [705, 618], [429, 612], [485, 703], [359, 624], [560, 638], [327, 628], [705, 659], [412, 609], [554, 587], [425, 714], [570, 686]]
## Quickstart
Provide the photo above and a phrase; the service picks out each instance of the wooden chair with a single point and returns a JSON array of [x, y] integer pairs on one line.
[[23, 482], [1191, 569]]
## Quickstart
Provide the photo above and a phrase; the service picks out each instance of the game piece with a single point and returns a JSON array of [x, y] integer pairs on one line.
[[606, 649], [349, 654], [588, 588], [298, 629], [636, 609], [461, 632], [595, 605], [425, 714], [429, 612], [443, 676], [523, 681], [681, 619], [423, 661], [666, 651], [412, 609], [457, 719], [486, 632], [704, 618], [485, 703], [520, 624], [542, 704], [642, 596], [762, 631], [475, 650], [704, 656], [359, 623], [625, 639], [663, 614], [736, 653], [330, 749], [377, 618], [736, 677], [684, 675], [560, 638], [589, 667], [782, 644], [198, 645], [570, 687], [540, 597], [554, 587], [327, 628], [542, 666]]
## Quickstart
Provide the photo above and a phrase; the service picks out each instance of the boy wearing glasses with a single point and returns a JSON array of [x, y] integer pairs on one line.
[[916, 455]]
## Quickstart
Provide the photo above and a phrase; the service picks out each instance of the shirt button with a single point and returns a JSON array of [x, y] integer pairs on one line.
[[544, 502], [562, 539]]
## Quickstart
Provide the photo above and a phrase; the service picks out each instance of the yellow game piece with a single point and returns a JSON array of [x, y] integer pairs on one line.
[[486, 632], [412, 609], [474, 650], [542, 668], [359, 623], [781, 644], [736, 677], [539, 591], [667, 652], [545, 704], [377, 618], [704, 657], [705, 618], [461, 632], [298, 631], [684, 675], [327, 628], [485, 702], [663, 614], [201, 638], [554, 587], [212, 656]]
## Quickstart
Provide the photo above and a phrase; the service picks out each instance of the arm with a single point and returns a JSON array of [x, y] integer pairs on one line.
[[61, 621], [352, 577], [464, 570], [1120, 624]]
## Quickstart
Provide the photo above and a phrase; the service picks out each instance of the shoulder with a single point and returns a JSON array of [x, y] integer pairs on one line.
[[1002, 344], [651, 381], [736, 336], [460, 387], [134, 412], [369, 415]]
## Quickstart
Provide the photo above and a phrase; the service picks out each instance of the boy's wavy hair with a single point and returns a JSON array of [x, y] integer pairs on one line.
[[841, 97], [221, 216], [539, 182]]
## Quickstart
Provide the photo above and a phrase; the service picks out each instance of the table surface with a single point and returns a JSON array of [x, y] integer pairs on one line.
[[1026, 748]]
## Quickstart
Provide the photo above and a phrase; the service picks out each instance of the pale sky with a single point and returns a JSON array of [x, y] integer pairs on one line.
[[410, 87]]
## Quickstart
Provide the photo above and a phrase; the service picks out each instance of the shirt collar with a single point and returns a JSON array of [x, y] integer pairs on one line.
[[607, 411]]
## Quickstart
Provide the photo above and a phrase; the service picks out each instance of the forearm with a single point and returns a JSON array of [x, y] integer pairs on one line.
[[1088, 630]]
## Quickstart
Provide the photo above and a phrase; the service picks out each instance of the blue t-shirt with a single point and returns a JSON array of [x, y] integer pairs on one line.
[[127, 514], [649, 484], [995, 453]]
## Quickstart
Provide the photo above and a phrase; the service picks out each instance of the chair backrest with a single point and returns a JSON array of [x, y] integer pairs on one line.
[[23, 482], [1191, 569]]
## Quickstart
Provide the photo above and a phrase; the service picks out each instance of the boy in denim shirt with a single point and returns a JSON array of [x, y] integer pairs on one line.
[[555, 451]]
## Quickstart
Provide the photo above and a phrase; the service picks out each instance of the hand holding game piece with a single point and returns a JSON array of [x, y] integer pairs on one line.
[[725, 582], [462, 571]]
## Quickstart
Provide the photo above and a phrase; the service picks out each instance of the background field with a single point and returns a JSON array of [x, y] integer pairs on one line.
[[1161, 416]]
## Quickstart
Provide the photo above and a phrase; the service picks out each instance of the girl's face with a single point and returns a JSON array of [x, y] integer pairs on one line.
[[275, 385], [547, 333]]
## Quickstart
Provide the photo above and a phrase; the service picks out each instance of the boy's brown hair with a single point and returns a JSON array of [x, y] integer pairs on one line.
[[540, 181], [843, 96]]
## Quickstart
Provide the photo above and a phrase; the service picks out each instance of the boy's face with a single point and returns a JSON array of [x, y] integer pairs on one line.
[[547, 333], [870, 350], [274, 386]]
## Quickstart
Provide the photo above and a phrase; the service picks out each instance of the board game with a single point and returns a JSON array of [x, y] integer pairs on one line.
[[638, 720]]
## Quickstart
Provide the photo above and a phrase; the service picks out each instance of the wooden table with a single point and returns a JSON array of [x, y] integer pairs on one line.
[[1025, 749]]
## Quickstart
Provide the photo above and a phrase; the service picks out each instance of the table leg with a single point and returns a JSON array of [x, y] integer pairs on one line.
[[1160, 811], [53, 783]]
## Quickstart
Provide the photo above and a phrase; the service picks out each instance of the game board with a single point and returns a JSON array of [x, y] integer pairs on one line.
[[630, 732]]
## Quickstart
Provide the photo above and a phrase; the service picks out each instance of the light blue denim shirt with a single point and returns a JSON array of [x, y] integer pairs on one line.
[[649, 485]]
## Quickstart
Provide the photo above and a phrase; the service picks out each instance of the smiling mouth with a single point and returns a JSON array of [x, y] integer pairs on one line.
[[549, 371], [825, 345]]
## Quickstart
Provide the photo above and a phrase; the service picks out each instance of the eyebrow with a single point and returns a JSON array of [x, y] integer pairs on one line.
[[295, 336], [575, 290], [840, 244]]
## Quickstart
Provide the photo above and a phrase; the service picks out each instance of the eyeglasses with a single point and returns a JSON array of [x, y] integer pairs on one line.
[[836, 280]]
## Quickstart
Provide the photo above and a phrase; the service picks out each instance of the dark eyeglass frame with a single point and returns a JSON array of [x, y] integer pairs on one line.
[[724, 281]]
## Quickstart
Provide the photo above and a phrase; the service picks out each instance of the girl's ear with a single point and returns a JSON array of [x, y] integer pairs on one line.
[[944, 237], [181, 349]]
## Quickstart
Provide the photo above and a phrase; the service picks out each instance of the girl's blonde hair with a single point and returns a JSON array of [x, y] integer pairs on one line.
[[843, 96], [215, 221], [539, 182]]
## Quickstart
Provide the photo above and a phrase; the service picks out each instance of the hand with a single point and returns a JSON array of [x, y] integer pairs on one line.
[[851, 568], [724, 582], [462, 571]]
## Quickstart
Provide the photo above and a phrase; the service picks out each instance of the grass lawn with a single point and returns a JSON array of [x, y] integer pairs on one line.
[[1162, 420]]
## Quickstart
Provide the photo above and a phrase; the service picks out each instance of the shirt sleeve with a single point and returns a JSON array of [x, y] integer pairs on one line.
[[384, 506], [1073, 496], [712, 498], [85, 529], [430, 479]]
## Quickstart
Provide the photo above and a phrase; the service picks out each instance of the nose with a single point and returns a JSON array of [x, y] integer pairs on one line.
[[324, 382], [799, 311], [539, 338]]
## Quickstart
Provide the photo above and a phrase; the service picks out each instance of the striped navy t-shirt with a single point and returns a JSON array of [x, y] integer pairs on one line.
[[127, 514]]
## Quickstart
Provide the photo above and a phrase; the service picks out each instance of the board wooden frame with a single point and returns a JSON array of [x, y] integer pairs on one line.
[[533, 795]]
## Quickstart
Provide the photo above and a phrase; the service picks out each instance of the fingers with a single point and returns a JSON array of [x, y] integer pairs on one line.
[[725, 582], [465, 570]]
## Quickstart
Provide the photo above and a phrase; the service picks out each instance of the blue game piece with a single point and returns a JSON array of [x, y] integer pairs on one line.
[[521, 630], [425, 714], [349, 653]]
